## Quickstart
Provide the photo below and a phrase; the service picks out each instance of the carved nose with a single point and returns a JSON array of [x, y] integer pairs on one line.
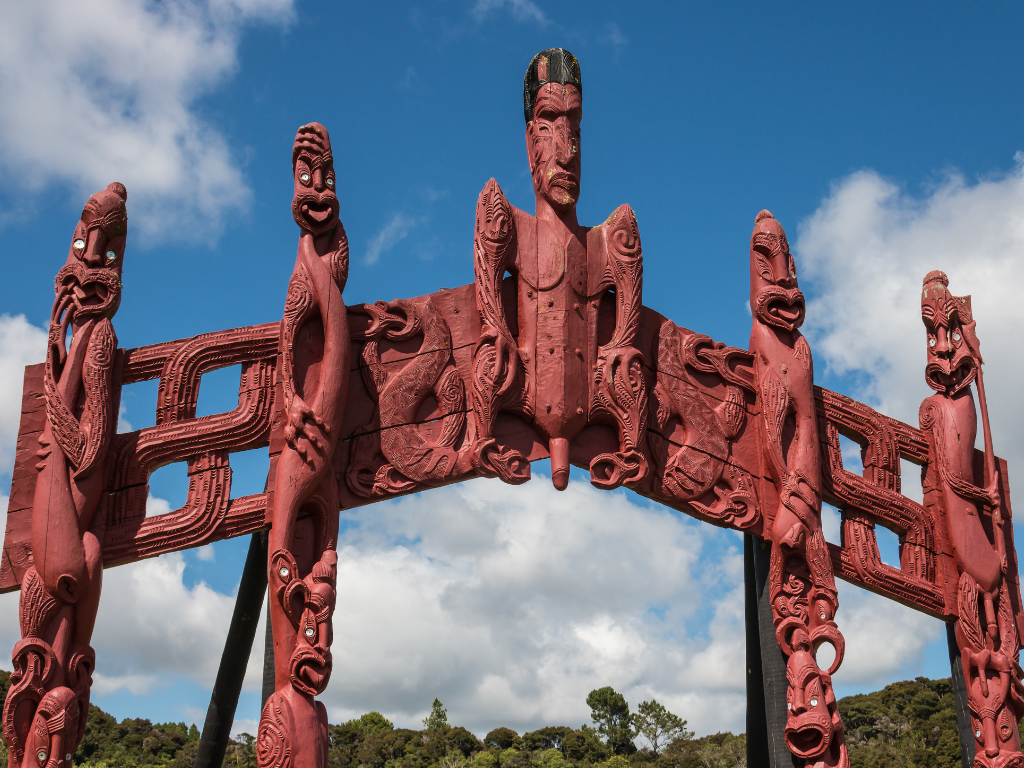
[[318, 179], [563, 143], [799, 704], [94, 248], [942, 348]]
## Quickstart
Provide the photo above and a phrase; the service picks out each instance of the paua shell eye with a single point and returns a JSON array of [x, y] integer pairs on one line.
[[814, 702], [111, 256], [956, 336], [304, 177], [79, 243], [931, 342], [330, 182], [41, 754], [310, 631]]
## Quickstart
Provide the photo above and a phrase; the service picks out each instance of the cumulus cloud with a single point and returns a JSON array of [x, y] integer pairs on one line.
[[21, 344], [866, 251], [521, 10], [103, 91]]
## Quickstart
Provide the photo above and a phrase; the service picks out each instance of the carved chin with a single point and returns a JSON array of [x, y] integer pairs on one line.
[[310, 671], [780, 307], [950, 382], [808, 735]]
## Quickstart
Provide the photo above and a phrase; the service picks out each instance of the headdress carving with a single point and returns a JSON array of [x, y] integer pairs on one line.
[[555, 65]]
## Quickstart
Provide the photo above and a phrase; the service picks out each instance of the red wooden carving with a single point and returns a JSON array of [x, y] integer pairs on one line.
[[558, 373], [987, 630], [801, 585], [559, 361], [302, 568], [48, 704]]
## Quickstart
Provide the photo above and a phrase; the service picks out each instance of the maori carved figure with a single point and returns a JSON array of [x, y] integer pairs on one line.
[[699, 468], [410, 460], [314, 352], [801, 585], [46, 709], [986, 631], [556, 373]]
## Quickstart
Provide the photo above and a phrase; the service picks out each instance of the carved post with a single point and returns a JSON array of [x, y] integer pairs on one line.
[[237, 646], [963, 711], [801, 586], [46, 709], [314, 353], [986, 631]]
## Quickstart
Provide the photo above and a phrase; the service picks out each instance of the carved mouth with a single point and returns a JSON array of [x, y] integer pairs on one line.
[[781, 307], [310, 670], [317, 213], [806, 736], [949, 382]]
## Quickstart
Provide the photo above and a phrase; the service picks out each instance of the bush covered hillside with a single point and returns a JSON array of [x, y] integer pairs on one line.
[[911, 724]]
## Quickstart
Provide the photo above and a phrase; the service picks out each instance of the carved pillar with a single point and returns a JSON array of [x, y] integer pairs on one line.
[[237, 647], [986, 630], [803, 597], [47, 706], [302, 564]]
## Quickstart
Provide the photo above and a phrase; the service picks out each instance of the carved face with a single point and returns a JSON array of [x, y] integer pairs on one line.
[[951, 366], [309, 603], [553, 145], [51, 739], [809, 722], [774, 296], [314, 204], [89, 284]]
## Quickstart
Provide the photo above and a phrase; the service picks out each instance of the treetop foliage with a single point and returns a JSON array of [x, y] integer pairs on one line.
[[910, 724]]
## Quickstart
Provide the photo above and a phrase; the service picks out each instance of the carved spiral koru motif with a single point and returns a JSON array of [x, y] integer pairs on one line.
[[272, 748]]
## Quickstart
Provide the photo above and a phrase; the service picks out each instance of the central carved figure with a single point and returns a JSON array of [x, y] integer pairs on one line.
[[559, 373]]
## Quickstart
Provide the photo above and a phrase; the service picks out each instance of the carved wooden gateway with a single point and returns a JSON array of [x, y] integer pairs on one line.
[[558, 360]]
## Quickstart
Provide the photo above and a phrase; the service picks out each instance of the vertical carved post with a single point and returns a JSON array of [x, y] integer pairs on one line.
[[302, 569], [801, 585], [46, 709], [986, 631], [237, 647], [963, 710]]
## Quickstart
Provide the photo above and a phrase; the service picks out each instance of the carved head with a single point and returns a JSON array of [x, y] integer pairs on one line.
[[314, 204], [775, 298], [553, 106], [949, 323], [89, 284], [309, 603], [54, 730], [809, 721]]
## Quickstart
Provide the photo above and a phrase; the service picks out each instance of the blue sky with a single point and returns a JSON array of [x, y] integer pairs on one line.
[[883, 136]]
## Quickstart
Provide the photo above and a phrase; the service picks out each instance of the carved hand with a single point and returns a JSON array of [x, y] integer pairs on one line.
[[303, 422]]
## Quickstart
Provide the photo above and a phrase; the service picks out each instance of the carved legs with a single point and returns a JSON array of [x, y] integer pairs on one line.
[[989, 649], [620, 393], [302, 575], [803, 600]]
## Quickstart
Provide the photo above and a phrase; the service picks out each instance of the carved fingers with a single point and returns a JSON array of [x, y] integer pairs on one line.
[[305, 432]]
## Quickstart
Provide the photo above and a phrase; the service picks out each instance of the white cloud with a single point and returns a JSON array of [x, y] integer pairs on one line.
[[392, 233], [521, 10], [866, 251], [206, 554], [103, 91], [21, 344], [614, 37], [156, 506]]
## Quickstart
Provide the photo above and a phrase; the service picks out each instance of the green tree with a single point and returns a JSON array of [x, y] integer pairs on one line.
[[438, 717], [659, 726], [609, 709], [502, 738], [372, 722]]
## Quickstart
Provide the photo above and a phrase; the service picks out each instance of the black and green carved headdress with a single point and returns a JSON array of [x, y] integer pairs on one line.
[[555, 65]]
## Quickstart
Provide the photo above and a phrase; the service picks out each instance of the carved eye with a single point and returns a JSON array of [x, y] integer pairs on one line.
[[789, 705], [814, 702], [310, 631], [304, 177], [931, 342], [41, 755], [792, 272], [79, 243], [111, 256], [822, 616], [284, 572], [977, 734], [68, 757], [956, 336], [330, 181]]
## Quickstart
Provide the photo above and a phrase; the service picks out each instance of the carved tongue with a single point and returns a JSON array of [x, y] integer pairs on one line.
[[318, 214]]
